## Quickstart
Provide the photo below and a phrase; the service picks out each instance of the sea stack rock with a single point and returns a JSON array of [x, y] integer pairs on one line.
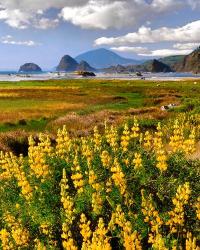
[[84, 66], [67, 64], [30, 67]]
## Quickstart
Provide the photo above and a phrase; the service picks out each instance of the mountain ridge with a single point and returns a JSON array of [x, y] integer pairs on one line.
[[103, 58], [154, 66], [178, 63], [172, 60]]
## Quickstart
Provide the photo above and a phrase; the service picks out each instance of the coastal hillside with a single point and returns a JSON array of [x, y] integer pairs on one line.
[[104, 58], [190, 63], [153, 66], [171, 61]]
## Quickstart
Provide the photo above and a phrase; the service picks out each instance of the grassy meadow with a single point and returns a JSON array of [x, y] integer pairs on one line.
[[44, 106], [96, 165], [34, 105]]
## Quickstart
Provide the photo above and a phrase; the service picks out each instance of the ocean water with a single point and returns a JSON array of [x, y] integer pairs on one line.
[[15, 76]]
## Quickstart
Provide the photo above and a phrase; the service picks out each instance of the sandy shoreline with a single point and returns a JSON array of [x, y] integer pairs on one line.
[[54, 76]]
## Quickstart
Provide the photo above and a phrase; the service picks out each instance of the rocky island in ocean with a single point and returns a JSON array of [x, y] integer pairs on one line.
[[30, 68], [69, 64]]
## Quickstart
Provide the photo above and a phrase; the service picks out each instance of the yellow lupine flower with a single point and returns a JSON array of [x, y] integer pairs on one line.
[[100, 241], [125, 138], [137, 161], [191, 243], [135, 129], [181, 199]]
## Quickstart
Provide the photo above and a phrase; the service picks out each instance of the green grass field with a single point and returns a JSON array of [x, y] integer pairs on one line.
[[43, 106]]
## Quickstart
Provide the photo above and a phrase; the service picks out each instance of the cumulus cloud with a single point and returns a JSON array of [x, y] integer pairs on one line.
[[15, 18], [144, 51], [104, 14], [24, 13], [138, 50], [35, 5], [166, 52], [160, 5], [10, 40], [100, 14], [186, 46], [46, 23], [188, 33]]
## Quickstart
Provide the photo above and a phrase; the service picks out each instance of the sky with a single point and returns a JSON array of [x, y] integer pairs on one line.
[[42, 32]]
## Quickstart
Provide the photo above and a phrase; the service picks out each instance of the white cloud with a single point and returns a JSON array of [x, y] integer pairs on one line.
[[144, 51], [138, 50], [46, 23], [10, 40], [186, 46], [24, 13], [160, 5], [22, 20], [166, 52], [100, 14], [194, 3], [104, 14], [188, 33], [35, 5], [15, 18]]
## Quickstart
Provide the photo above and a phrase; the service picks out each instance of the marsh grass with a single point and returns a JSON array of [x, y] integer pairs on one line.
[[55, 99]]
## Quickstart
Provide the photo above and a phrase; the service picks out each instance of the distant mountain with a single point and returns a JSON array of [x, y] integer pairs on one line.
[[153, 66], [84, 66], [29, 68], [104, 58], [172, 60], [190, 63], [67, 64]]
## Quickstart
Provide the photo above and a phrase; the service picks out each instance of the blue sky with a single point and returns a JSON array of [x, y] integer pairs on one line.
[[31, 32]]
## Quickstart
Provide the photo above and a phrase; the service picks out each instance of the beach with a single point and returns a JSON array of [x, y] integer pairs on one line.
[[16, 77]]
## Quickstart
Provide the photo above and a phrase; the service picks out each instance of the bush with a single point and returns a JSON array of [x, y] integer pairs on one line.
[[119, 190]]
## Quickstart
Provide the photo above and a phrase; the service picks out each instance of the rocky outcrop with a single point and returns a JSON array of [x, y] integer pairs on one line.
[[190, 63], [116, 69], [84, 66], [30, 67], [86, 73], [153, 66], [157, 67], [67, 64]]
